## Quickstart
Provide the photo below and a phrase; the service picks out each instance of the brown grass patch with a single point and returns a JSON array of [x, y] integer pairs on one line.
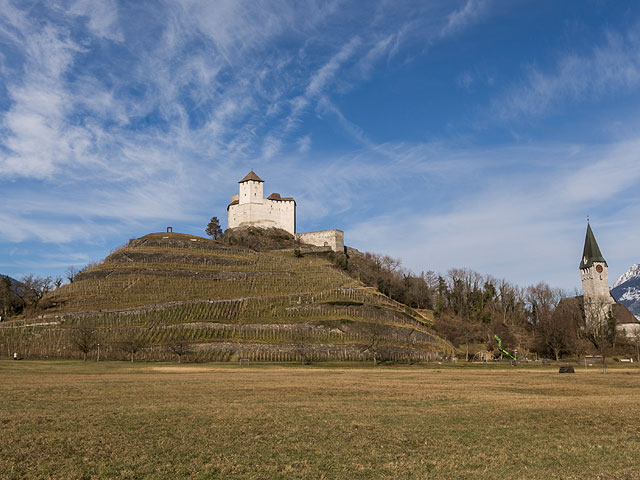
[[121, 420]]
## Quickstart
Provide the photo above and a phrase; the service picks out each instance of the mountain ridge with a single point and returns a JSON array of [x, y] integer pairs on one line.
[[626, 289]]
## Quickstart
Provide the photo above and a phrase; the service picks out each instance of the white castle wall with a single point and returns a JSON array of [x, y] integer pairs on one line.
[[252, 209], [271, 213], [324, 238]]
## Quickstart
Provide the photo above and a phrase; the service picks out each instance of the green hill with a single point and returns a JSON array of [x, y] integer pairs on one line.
[[217, 301]]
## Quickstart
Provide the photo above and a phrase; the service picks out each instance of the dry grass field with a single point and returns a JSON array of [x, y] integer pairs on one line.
[[70, 419]]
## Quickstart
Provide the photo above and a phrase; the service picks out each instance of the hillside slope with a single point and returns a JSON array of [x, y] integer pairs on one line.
[[222, 302]]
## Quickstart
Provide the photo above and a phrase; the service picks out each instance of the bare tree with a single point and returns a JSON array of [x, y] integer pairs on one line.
[[557, 332], [84, 339], [635, 338], [600, 327], [34, 288], [180, 346], [71, 273], [542, 300], [132, 344], [301, 340], [377, 332], [458, 332]]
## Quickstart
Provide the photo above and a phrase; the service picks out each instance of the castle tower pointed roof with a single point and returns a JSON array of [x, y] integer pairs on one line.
[[591, 252], [251, 176]]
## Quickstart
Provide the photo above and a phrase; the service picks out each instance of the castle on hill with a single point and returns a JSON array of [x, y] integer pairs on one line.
[[250, 208]]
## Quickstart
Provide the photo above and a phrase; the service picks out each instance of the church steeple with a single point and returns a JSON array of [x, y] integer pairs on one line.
[[594, 274], [591, 252]]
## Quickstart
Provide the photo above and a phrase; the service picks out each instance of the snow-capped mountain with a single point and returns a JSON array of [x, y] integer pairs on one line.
[[626, 290], [634, 271]]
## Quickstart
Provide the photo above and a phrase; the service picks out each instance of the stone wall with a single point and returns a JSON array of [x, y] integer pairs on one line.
[[595, 284], [267, 213], [629, 329], [324, 238], [595, 290]]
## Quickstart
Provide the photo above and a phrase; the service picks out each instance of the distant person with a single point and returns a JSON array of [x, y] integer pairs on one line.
[[15, 356]]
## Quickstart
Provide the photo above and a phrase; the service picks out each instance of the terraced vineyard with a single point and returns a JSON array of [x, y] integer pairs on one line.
[[212, 301]]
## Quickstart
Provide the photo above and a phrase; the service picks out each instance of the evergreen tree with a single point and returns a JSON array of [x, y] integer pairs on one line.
[[213, 229]]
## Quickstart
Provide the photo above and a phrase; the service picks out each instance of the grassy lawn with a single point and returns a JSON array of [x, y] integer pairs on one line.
[[119, 420]]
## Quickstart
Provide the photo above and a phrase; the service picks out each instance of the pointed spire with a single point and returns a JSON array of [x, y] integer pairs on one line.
[[591, 252], [251, 176]]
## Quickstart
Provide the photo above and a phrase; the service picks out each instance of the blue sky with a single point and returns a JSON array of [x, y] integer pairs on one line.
[[471, 133]]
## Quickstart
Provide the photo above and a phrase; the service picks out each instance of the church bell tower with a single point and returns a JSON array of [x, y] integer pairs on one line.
[[595, 280]]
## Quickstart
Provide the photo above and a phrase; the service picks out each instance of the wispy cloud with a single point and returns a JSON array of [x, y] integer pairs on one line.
[[39, 139], [470, 13], [516, 226], [110, 125], [102, 17], [617, 170], [610, 69], [319, 80]]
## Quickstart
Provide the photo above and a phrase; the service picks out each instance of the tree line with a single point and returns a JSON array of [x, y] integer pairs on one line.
[[470, 309], [87, 339]]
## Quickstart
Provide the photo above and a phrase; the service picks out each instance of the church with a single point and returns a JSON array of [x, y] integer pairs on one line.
[[250, 208], [597, 301]]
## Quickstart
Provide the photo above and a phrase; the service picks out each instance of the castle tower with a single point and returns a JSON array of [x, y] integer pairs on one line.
[[251, 189], [595, 281]]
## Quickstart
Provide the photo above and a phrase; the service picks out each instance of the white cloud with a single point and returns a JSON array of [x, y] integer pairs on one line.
[[12, 21], [469, 14], [38, 137], [616, 171], [526, 228], [381, 48], [103, 145], [271, 147], [304, 144], [102, 17], [319, 80], [465, 80], [610, 69]]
